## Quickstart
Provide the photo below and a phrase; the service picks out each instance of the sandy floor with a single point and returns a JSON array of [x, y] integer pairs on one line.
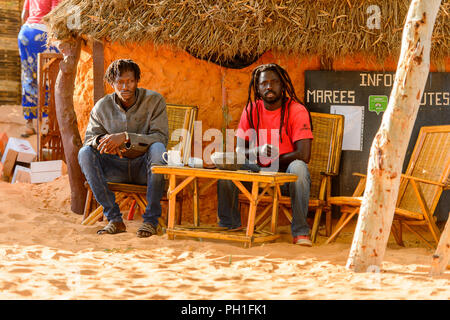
[[45, 253]]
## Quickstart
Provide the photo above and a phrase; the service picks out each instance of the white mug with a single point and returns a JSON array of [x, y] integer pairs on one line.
[[172, 157]]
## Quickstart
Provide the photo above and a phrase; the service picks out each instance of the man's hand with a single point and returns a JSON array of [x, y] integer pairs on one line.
[[268, 150], [111, 143]]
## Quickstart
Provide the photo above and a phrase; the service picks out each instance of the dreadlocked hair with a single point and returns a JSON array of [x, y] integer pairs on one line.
[[118, 67], [287, 90]]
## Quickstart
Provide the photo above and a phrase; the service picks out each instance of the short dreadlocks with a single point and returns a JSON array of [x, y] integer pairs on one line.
[[118, 67], [287, 90]]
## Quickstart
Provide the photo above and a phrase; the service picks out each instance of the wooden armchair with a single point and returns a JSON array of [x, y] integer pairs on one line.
[[134, 196], [426, 176], [328, 130]]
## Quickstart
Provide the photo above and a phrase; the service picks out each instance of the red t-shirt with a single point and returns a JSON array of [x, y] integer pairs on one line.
[[296, 118], [38, 9]]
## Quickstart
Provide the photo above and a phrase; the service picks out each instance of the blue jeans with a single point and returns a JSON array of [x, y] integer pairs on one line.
[[102, 168], [227, 196]]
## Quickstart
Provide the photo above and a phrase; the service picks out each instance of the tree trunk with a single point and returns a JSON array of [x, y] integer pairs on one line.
[[67, 120], [391, 141], [442, 255]]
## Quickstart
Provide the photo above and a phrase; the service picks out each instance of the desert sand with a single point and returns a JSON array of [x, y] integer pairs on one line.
[[45, 253]]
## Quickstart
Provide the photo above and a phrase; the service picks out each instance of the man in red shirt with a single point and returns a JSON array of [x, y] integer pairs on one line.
[[275, 130]]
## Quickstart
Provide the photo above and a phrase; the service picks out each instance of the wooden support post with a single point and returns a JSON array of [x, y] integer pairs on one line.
[[172, 204], [252, 211], [328, 212], [93, 217], [426, 212], [344, 223], [274, 224], [259, 217], [195, 203], [318, 214], [391, 141], [99, 69], [87, 205], [67, 121]]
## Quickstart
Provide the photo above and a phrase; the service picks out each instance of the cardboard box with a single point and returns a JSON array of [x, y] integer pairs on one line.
[[45, 171], [8, 164], [24, 149], [3, 142], [21, 174]]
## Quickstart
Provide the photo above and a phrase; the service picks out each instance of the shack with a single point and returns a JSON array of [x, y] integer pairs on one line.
[[202, 53]]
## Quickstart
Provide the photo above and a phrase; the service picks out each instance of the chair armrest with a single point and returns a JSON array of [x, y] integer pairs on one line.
[[328, 173], [359, 190], [445, 186], [356, 174], [412, 178]]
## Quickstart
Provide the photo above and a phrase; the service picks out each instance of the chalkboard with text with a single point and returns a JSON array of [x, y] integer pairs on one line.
[[362, 97]]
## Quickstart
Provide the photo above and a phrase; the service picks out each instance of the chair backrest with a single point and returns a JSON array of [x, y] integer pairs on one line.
[[181, 123], [430, 160], [49, 143], [328, 131]]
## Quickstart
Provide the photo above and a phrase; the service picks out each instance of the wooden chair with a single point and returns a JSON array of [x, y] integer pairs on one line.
[[328, 130], [49, 143], [134, 196], [426, 176]]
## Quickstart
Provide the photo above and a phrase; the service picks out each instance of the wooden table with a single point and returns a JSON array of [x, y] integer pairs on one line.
[[269, 182]]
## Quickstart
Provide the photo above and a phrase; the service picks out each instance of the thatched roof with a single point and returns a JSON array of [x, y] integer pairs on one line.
[[222, 30]]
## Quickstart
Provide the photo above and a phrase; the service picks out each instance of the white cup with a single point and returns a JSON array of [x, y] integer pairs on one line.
[[195, 163], [172, 157]]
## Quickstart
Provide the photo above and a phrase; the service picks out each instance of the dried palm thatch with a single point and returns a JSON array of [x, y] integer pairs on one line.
[[223, 30]]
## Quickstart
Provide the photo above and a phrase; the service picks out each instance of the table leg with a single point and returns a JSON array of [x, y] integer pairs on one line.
[[195, 203], [252, 211], [172, 204], [273, 227]]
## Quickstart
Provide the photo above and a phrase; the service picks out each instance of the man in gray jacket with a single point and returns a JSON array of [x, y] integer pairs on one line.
[[126, 135]]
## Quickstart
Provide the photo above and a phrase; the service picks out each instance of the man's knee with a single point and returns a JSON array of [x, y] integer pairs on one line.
[[300, 169], [155, 152], [86, 155]]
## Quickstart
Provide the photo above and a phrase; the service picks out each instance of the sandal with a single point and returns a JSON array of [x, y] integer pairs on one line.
[[146, 230], [113, 228], [28, 132]]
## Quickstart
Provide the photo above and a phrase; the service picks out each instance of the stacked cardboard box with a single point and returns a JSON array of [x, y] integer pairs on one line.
[[18, 166], [17, 151], [45, 171]]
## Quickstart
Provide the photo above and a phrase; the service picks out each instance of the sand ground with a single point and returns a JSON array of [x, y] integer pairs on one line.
[[45, 253]]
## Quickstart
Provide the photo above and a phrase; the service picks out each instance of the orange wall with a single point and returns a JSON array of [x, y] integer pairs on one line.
[[183, 79]]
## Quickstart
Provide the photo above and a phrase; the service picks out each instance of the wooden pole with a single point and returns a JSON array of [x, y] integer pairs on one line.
[[389, 146], [99, 69], [441, 257], [67, 120]]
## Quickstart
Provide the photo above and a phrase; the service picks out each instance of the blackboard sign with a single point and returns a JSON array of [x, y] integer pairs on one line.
[[362, 98]]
